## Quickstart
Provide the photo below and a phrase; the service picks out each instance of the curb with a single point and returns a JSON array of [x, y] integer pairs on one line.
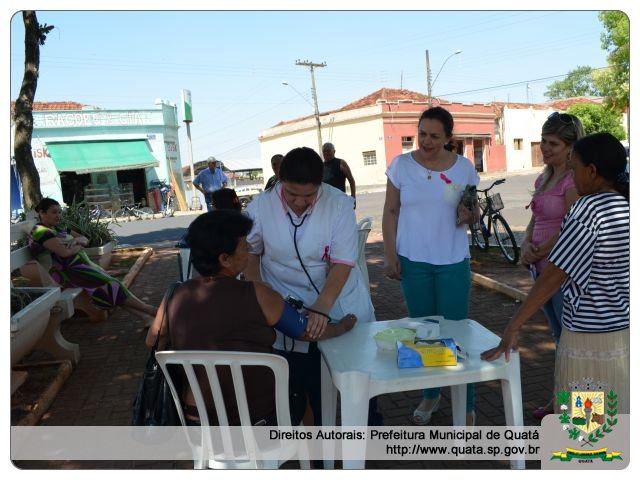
[[492, 284], [135, 269]]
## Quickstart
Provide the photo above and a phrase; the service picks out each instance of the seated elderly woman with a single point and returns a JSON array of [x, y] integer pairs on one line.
[[216, 311], [61, 252]]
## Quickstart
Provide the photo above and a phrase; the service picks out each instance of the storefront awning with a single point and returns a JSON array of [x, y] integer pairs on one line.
[[88, 157]]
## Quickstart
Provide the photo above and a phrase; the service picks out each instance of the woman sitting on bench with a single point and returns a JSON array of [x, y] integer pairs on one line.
[[62, 254]]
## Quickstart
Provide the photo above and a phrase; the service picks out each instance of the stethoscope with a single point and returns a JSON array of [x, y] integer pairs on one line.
[[295, 245], [304, 269]]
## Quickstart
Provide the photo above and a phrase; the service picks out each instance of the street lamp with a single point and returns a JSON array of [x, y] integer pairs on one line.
[[315, 111], [429, 82]]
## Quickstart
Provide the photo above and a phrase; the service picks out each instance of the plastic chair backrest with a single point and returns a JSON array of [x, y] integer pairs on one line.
[[364, 227], [185, 266], [188, 359]]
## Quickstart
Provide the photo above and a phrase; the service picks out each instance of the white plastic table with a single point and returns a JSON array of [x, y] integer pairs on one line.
[[354, 365]]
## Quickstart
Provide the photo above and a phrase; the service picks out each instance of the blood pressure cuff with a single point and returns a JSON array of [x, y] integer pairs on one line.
[[292, 323]]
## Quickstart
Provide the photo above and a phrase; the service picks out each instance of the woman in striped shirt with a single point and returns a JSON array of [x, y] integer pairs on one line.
[[590, 262]]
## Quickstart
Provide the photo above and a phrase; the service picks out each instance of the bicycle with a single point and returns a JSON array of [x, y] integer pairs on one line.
[[168, 203], [490, 218], [167, 196], [97, 212], [128, 210]]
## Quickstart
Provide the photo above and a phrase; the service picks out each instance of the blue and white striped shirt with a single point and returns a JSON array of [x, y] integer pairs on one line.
[[593, 250]]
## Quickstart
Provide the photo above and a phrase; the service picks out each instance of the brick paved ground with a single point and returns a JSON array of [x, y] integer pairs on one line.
[[102, 386]]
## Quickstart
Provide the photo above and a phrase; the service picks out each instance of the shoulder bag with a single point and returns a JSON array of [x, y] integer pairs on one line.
[[153, 405]]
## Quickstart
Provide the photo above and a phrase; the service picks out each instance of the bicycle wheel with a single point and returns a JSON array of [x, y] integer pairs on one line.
[[505, 238], [479, 235], [170, 209], [121, 215], [146, 213]]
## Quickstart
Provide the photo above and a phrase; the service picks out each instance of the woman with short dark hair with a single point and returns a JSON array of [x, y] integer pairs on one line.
[[216, 311]]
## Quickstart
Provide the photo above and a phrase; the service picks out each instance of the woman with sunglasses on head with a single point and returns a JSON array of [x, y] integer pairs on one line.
[[554, 194], [590, 263]]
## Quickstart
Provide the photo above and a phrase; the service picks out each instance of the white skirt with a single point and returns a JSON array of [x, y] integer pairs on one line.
[[603, 357]]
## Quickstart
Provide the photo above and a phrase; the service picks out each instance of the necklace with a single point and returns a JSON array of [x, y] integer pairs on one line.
[[429, 172]]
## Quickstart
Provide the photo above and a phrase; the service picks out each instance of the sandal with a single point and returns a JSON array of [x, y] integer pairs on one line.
[[423, 417]]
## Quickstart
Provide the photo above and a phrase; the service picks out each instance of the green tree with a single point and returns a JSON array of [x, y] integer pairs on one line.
[[579, 82], [34, 36], [598, 118], [615, 39]]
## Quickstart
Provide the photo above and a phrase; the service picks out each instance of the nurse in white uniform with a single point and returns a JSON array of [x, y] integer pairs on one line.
[[304, 244]]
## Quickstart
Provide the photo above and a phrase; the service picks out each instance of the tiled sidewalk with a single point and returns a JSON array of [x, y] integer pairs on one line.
[[102, 386]]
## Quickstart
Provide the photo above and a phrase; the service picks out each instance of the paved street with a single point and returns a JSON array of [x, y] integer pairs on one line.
[[165, 232]]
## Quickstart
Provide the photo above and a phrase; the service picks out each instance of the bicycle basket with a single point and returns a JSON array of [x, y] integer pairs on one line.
[[496, 201]]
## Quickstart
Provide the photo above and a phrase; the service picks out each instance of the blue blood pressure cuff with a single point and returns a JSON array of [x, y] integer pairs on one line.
[[292, 323]]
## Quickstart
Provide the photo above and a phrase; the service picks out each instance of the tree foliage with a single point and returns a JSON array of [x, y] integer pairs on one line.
[[612, 82], [34, 36], [615, 39], [598, 118], [579, 82]]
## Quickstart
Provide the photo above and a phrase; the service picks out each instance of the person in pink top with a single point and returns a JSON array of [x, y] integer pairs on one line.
[[554, 193]]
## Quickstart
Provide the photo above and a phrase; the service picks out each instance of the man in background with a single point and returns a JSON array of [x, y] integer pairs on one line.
[[336, 171], [210, 179], [275, 165]]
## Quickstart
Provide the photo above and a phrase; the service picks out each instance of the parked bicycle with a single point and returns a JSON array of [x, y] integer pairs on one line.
[[167, 197], [168, 200], [97, 212], [128, 210], [491, 223]]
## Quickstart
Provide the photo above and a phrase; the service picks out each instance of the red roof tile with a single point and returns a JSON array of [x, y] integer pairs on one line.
[[42, 106]]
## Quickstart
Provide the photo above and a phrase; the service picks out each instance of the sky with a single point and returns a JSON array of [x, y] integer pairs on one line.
[[235, 62]]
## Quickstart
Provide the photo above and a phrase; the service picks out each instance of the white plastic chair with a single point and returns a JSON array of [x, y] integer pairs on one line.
[[364, 227], [227, 456], [184, 264]]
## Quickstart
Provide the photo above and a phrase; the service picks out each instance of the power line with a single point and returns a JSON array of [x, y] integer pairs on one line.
[[517, 83]]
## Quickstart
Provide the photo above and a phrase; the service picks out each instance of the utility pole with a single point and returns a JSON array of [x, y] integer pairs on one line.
[[311, 66], [428, 77], [429, 82]]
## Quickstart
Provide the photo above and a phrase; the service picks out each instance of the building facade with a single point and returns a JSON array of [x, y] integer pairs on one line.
[[370, 132], [102, 156]]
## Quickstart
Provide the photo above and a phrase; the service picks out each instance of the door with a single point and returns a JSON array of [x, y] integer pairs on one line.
[[536, 155], [478, 155]]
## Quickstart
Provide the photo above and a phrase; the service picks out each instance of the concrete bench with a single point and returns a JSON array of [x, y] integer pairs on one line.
[[52, 340]]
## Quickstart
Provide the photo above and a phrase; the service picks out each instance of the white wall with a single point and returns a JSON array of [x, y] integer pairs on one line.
[[352, 133], [525, 124]]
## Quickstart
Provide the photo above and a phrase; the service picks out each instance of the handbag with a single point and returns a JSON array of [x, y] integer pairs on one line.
[[154, 405]]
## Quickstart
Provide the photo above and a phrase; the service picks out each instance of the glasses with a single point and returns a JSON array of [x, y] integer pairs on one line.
[[564, 118]]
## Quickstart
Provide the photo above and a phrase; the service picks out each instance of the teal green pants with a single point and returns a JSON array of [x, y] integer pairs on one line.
[[438, 290]]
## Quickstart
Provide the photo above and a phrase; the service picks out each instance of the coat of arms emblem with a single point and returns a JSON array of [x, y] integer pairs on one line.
[[588, 414]]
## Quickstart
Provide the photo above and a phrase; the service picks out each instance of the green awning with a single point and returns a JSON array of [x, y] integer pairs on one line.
[[88, 157]]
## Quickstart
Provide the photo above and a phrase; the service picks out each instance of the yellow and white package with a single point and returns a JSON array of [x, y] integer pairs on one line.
[[438, 352]]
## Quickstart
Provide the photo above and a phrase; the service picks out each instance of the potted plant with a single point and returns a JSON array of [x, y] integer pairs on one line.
[[78, 218], [30, 311]]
